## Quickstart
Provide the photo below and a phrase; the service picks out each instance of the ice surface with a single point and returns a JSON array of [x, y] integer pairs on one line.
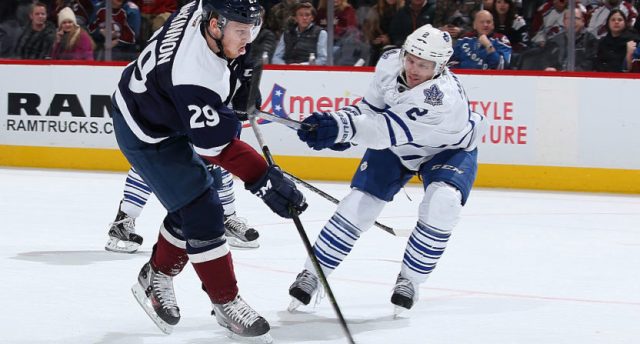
[[521, 267]]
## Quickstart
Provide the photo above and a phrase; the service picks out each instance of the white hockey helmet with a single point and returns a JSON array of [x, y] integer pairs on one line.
[[430, 44]]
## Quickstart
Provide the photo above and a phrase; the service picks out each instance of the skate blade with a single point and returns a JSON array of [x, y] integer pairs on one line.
[[263, 339], [295, 303], [126, 247], [242, 245], [397, 310], [144, 302]]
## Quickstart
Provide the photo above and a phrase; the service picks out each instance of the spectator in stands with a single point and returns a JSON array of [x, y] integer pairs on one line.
[[510, 24], [455, 16], [488, 5], [280, 16], [10, 29], [264, 46], [298, 43], [635, 60], [483, 48], [345, 17], [154, 13], [124, 30], [72, 42], [37, 38], [547, 21], [555, 51], [598, 21], [615, 49], [81, 8], [413, 15], [376, 27]]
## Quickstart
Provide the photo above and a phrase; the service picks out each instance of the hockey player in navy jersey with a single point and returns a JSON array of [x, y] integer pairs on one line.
[[415, 120], [169, 113]]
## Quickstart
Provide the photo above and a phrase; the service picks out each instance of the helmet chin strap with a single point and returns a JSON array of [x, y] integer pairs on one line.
[[205, 31]]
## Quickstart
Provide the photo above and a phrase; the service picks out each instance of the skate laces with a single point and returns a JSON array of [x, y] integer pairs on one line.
[[163, 287], [236, 224], [307, 281], [404, 287], [239, 311], [125, 226]]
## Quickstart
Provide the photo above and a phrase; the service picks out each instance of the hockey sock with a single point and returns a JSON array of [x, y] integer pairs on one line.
[[439, 214], [225, 192], [424, 248], [218, 278], [334, 243], [169, 253], [136, 194]]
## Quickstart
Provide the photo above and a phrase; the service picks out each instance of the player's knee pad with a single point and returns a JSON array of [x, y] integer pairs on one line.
[[170, 230], [441, 206], [361, 209], [202, 219]]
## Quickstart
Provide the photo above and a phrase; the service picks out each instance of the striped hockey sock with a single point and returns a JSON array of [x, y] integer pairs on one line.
[[136, 194]]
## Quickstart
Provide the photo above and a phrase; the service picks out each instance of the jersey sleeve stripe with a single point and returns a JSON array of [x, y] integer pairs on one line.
[[392, 134], [376, 109], [401, 123], [122, 106], [214, 151]]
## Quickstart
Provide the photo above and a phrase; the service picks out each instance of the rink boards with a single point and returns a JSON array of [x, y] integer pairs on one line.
[[548, 131]]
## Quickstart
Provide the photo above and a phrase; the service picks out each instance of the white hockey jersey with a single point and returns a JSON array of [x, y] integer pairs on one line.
[[416, 123]]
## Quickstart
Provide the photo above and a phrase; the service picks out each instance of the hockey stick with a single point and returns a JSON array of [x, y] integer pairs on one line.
[[253, 92], [403, 232], [291, 123]]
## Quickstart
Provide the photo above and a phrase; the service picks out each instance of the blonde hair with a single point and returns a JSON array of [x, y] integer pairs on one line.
[[72, 38]]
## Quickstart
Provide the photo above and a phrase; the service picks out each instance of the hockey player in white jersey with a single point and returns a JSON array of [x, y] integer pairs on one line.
[[415, 120], [169, 114]]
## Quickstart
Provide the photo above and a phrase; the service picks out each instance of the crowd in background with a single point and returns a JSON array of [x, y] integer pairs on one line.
[[486, 34]]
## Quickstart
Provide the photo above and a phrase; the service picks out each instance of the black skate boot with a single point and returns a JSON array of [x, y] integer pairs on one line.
[[239, 234], [154, 293], [405, 293], [122, 236], [302, 289], [242, 321]]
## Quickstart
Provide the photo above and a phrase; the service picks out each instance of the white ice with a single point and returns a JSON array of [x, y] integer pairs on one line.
[[521, 267]]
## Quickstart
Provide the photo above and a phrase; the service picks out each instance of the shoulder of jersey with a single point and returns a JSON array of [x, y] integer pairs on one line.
[[389, 62], [195, 64]]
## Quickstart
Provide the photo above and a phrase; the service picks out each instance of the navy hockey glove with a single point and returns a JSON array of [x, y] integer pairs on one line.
[[278, 192], [339, 147], [324, 133]]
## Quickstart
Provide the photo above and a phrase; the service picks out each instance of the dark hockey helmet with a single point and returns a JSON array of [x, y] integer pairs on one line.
[[242, 11]]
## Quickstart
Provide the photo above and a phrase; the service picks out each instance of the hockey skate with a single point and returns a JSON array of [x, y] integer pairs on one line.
[[242, 322], [405, 293], [239, 234], [154, 293], [302, 289], [122, 236]]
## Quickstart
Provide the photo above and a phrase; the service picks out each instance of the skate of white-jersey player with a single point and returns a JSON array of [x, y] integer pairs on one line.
[[414, 119]]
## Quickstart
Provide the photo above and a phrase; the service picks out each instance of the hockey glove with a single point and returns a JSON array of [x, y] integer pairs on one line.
[[330, 129], [339, 147], [323, 135], [278, 192]]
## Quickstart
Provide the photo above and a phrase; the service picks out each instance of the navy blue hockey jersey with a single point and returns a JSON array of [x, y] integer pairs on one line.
[[178, 86]]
